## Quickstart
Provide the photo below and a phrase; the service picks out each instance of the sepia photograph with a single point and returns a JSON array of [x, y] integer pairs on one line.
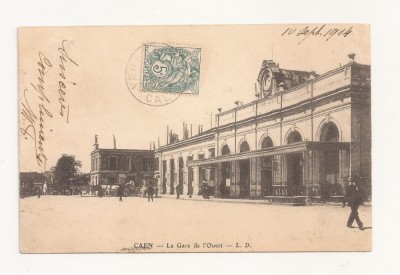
[[195, 138]]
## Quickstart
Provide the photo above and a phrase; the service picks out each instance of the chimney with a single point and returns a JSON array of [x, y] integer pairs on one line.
[[154, 145], [191, 130], [198, 129], [115, 142], [183, 132], [96, 142], [158, 142], [167, 134], [150, 144]]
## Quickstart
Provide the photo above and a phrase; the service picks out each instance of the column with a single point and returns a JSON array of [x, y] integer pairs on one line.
[[168, 176], [196, 181], [218, 179], [234, 173], [253, 177], [185, 177]]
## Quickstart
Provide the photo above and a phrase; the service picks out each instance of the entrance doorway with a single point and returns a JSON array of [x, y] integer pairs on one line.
[[244, 168], [180, 176], [266, 176], [294, 173], [266, 169], [224, 189], [294, 167], [329, 169]]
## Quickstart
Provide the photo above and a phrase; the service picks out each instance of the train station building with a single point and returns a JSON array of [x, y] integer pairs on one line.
[[301, 139]]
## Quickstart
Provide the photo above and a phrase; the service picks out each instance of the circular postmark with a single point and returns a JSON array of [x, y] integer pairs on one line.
[[157, 74]]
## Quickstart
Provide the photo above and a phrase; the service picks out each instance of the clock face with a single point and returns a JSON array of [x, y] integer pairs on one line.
[[267, 80]]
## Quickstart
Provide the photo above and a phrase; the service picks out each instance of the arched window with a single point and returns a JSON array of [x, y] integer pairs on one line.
[[329, 132], [225, 150], [244, 147], [294, 137], [266, 143]]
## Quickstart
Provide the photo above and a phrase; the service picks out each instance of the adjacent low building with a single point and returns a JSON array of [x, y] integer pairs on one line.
[[301, 139], [119, 166]]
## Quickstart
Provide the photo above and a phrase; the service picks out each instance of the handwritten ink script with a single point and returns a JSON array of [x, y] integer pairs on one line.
[[320, 32], [36, 102]]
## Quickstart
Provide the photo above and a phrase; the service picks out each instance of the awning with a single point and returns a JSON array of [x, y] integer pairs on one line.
[[272, 151]]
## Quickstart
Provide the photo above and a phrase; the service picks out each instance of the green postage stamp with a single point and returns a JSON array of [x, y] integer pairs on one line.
[[172, 70]]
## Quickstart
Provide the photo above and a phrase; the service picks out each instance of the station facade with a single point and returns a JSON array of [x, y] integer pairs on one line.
[[302, 138]]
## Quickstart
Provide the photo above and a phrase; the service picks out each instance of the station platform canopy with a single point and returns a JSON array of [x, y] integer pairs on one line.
[[297, 147]]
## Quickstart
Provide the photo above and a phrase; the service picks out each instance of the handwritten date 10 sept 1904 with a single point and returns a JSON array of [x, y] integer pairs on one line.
[[319, 31]]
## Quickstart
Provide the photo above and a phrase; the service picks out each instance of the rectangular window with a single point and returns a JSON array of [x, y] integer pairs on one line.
[[113, 163], [157, 164], [144, 164], [131, 164]]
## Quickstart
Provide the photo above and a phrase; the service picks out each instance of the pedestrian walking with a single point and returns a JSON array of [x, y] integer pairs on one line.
[[100, 192], [205, 190], [38, 191], [190, 191], [354, 200], [120, 192], [178, 190], [150, 193], [350, 187]]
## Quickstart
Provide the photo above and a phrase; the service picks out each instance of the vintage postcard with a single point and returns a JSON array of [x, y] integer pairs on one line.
[[214, 138]]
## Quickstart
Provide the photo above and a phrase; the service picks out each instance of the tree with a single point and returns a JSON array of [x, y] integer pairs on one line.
[[66, 169]]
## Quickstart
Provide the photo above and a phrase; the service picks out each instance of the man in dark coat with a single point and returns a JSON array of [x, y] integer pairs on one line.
[[100, 192], [205, 190], [178, 190], [354, 200], [120, 192], [150, 192]]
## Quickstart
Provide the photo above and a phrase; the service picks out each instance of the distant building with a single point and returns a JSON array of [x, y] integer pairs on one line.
[[118, 166], [30, 182], [301, 139], [31, 179]]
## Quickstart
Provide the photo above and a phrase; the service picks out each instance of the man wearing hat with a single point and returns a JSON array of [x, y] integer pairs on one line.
[[354, 200]]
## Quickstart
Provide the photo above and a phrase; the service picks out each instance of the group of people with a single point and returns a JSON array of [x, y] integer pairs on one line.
[[150, 192], [204, 189]]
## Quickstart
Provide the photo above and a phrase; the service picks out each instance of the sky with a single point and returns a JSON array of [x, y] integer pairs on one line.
[[100, 103]]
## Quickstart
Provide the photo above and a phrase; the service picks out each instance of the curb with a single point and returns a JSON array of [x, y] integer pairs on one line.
[[368, 204]]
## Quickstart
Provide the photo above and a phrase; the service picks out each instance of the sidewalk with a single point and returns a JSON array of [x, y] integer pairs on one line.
[[249, 201]]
